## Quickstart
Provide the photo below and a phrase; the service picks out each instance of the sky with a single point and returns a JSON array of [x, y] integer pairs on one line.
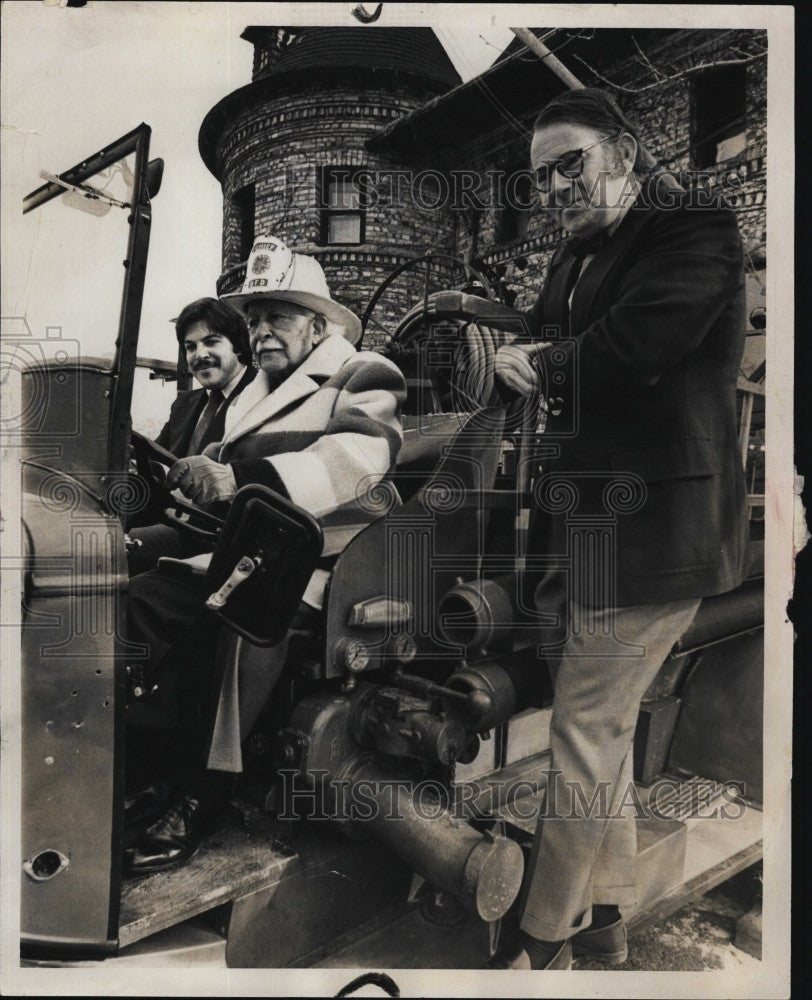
[[74, 79]]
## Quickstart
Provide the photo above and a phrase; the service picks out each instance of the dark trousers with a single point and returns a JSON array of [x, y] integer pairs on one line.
[[156, 540], [202, 669], [165, 614]]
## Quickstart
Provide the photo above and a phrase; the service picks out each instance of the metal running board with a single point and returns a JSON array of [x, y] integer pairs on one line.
[[697, 854], [714, 851], [689, 798]]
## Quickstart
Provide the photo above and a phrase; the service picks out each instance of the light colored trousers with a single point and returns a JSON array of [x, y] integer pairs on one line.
[[590, 858], [249, 678], [248, 681]]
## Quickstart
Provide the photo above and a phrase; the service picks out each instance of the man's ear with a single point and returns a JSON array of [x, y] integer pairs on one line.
[[319, 328], [627, 149]]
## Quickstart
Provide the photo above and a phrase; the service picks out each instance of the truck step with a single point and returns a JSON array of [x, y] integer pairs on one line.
[[235, 859]]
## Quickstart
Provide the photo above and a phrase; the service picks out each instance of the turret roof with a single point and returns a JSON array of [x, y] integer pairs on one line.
[[411, 50], [313, 51]]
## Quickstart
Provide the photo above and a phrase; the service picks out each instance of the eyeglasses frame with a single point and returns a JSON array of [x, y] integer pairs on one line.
[[579, 153]]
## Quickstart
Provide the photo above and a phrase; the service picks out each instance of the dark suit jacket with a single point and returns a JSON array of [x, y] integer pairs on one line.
[[657, 332], [186, 409]]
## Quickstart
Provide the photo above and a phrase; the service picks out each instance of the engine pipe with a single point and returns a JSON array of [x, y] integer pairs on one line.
[[484, 613], [483, 870]]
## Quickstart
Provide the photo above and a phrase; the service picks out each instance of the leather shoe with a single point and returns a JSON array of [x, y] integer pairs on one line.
[[605, 944], [515, 956], [146, 805], [169, 842]]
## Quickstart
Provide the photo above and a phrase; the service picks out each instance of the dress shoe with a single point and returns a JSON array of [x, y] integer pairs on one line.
[[605, 944], [515, 956], [171, 841], [145, 806]]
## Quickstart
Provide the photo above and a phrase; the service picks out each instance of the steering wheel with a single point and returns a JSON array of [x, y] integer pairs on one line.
[[151, 464]]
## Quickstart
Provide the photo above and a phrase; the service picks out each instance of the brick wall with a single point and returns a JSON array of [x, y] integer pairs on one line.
[[279, 143]]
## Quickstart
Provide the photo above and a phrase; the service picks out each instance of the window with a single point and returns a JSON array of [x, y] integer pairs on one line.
[[342, 207], [244, 206], [719, 115]]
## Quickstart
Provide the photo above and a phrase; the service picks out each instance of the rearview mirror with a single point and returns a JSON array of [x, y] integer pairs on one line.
[[155, 173]]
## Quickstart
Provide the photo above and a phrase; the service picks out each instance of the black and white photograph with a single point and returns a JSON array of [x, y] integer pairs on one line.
[[399, 512]]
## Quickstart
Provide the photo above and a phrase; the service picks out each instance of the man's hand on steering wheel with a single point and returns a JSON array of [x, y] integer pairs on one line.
[[166, 506], [202, 480]]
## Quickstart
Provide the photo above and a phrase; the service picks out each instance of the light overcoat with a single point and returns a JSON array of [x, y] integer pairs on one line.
[[324, 438]]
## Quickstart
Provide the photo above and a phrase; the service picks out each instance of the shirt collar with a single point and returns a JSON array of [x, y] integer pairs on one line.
[[232, 385]]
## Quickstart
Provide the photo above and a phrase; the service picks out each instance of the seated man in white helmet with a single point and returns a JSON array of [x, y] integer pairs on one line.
[[319, 424]]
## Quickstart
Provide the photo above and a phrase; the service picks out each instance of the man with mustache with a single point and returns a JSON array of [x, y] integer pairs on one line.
[[646, 298], [214, 339]]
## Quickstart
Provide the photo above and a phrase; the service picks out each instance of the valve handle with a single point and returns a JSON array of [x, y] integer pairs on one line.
[[477, 702]]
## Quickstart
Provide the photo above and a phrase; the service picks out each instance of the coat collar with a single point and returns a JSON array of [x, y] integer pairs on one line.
[[661, 189], [256, 405], [597, 270], [186, 412]]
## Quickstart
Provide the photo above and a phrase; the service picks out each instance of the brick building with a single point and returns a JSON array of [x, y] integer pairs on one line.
[[288, 147], [362, 146]]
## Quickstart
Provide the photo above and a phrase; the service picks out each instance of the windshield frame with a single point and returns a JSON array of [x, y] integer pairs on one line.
[[135, 264]]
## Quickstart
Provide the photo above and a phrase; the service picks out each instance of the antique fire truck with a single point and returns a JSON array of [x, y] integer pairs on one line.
[[392, 788]]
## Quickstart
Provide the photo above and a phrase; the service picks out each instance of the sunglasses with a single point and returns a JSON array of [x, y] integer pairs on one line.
[[570, 165]]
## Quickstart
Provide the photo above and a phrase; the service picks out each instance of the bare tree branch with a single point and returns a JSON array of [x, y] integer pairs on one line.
[[646, 61], [668, 79]]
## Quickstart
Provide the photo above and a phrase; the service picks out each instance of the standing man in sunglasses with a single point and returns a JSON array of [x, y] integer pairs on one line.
[[646, 299]]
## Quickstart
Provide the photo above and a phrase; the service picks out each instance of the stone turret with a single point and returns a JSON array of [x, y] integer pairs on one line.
[[289, 150]]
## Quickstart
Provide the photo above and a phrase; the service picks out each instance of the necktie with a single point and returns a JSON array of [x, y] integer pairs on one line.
[[572, 280], [200, 436]]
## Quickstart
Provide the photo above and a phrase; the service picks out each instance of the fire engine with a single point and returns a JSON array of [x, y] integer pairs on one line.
[[392, 789]]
